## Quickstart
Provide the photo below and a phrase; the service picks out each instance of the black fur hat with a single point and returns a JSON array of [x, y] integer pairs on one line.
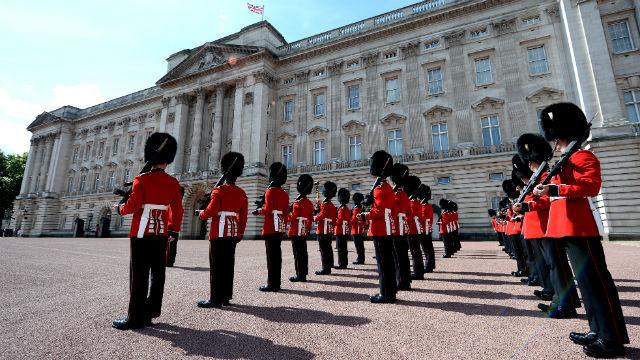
[[533, 147], [277, 174], [166, 154], [520, 168], [411, 184], [564, 121], [344, 196], [491, 212], [515, 178], [357, 198], [510, 189], [454, 206], [444, 204], [304, 184], [399, 174], [424, 192], [232, 164], [329, 190], [381, 164]]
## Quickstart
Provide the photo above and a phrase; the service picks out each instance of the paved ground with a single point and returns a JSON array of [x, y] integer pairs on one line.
[[58, 297]]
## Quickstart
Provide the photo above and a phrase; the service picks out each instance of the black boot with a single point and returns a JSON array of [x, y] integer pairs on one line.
[[268, 288], [379, 299], [602, 348], [125, 324], [297, 279], [207, 304], [583, 338]]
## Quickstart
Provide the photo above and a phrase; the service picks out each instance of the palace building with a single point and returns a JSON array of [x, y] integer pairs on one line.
[[446, 86]]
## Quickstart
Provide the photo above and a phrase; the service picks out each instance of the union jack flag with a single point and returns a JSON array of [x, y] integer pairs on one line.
[[255, 8]]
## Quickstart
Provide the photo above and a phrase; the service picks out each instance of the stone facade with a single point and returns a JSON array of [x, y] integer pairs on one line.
[[445, 85]]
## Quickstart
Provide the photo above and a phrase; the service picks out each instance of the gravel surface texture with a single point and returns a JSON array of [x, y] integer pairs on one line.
[[59, 296]]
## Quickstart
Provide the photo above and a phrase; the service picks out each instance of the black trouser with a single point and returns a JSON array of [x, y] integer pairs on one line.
[[148, 260], [343, 250], [222, 256], [508, 244], [300, 256], [386, 266], [500, 241], [401, 256], [456, 241], [172, 251], [542, 268], [518, 252], [560, 274], [358, 241], [416, 255], [599, 293], [326, 252], [530, 258], [447, 242], [426, 241], [274, 259]]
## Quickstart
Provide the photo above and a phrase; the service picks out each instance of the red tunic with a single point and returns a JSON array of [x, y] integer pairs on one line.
[[357, 225], [382, 217], [275, 211], [570, 214], [406, 226], [427, 217], [228, 212], [326, 218], [152, 195], [536, 219], [301, 218], [418, 217], [343, 221], [445, 222], [511, 224], [455, 225]]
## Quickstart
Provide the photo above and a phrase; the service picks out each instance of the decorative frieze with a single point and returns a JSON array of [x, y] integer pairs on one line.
[[438, 113], [454, 38], [487, 103], [335, 68], [370, 59], [410, 49], [506, 26]]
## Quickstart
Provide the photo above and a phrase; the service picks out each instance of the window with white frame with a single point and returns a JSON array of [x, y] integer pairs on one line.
[[440, 137], [354, 64], [287, 113], [391, 54], [318, 152], [87, 152], [537, 60], [287, 155], [394, 142], [495, 201], [532, 20], [632, 104], [434, 81], [111, 180], [490, 130], [444, 180], [83, 182], [353, 94], [69, 184], [131, 143], [318, 104], [392, 92], [355, 147], [498, 176], [75, 154], [620, 36], [116, 143], [96, 181], [127, 175], [483, 71]]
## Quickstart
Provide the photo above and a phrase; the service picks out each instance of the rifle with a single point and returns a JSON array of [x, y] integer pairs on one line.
[[533, 181], [128, 186], [220, 182]]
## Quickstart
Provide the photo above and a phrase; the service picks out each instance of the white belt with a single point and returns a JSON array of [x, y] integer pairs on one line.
[[418, 227], [144, 220], [427, 226], [388, 221], [223, 220], [345, 227], [554, 198], [401, 222], [327, 226], [278, 223], [302, 227]]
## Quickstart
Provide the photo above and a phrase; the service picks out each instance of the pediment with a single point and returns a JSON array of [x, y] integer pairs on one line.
[[353, 125], [393, 119], [545, 94], [44, 119], [437, 111], [286, 136], [488, 103], [317, 130], [209, 56]]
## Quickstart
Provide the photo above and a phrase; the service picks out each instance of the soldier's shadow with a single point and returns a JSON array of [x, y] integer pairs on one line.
[[358, 276], [476, 281], [282, 314], [476, 294], [473, 273], [330, 295], [347, 284], [192, 268], [224, 344], [476, 309]]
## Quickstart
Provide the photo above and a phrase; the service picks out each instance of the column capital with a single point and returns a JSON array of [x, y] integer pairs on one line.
[[370, 59], [200, 93], [335, 68], [181, 98], [240, 81], [454, 38], [505, 26], [166, 101]]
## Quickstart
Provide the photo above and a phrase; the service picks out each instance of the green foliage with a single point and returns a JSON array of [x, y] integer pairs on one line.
[[11, 171]]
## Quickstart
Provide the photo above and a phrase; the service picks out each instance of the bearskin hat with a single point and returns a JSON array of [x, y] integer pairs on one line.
[[381, 164], [399, 173], [515, 178], [160, 148], [424, 192], [277, 174], [491, 212], [444, 204], [533, 147], [304, 184], [411, 184], [454, 206], [357, 198], [564, 121], [232, 164], [510, 189], [520, 168], [329, 190], [344, 196]]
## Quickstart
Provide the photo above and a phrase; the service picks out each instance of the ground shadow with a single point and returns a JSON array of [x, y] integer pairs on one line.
[[473, 308], [473, 273], [477, 294], [224, 344], [191, 268], [626, 288], [476, 281], [282, 314], [330, 295], [358, 276], [347, 284], [627, 280], [632, 352], [632, 320], [630, 302]]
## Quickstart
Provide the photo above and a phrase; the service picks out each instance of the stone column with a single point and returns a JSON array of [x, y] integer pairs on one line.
[[24, 188], [179, 129], [60, 164], [35, 166], [333, 110], [412, 82], [197, 131], [216, 131], [163, 113], [44, 168], [460, 129], [260, 126], [55, 154], [236, 131], [301, 143], [374, 132]]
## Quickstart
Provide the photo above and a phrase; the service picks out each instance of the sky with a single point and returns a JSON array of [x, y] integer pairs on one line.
[[82, 53]]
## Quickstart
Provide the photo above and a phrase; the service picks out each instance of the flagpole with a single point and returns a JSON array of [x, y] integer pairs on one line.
[[263, 9]]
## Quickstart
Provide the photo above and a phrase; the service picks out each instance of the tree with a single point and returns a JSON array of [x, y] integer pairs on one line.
[[11, 172]]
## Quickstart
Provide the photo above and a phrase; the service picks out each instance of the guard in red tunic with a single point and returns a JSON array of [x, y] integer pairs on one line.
[[342, 228], [228, 210], [426, 216], [512, 231], [276, 212], [172, 247], [494, 224], [152, 195], [455, 226], [300, 220], [399, 174], [521, 175], [445, 227], [382, 226], [572, 219], [357, 228], [416, 225], [326, 219]]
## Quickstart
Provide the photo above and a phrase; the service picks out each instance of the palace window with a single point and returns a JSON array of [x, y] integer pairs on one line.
[[394, 142], [70, 184], [620, 37], [87, 152], [353, 93], [96, 182], [391, 54], [75, 154], [539, 120], [495, 201], [632, 103], [490, 130], [318, 104], [478, 33], [484, 75], [116, 142], [318, 152], [434, 81], [391, 90], [440, 137], [287, 155], [356, 187], [101, 149], [111, 180], [353, 64], [287, 113], [131, 143], [355, 147], [288, 81], [83, 182], [431, 44], [531, 20], [537, 59], [127, 175], [496, 176], [318, 73], [444, 180]]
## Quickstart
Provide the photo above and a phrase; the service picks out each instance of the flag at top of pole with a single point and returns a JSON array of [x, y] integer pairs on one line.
[[256, 9]]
